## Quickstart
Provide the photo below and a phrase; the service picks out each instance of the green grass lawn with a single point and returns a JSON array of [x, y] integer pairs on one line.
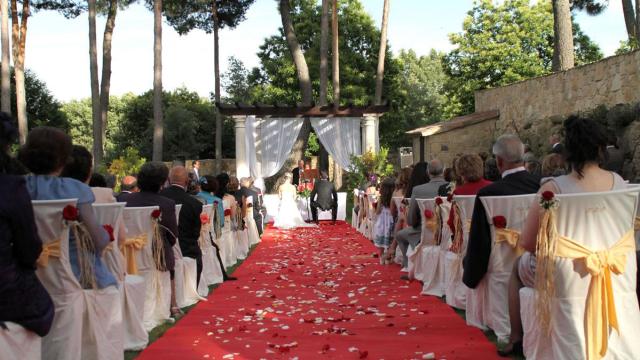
[[159, 330]]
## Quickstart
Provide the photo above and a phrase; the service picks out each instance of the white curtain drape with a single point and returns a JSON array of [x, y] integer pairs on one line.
[[340, 136], [268, 143]]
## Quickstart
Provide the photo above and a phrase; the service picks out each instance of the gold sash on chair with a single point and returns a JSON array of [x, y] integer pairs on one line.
[[458, 235], [509, 236], [50, 249], [636, 224], [600, 310], [129, 249]]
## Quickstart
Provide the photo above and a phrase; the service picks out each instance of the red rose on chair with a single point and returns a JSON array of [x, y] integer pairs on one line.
[[450, 197], [204, 218], [109, 229], [227, 212], [70, 213], [428, 214], [500, 222], [439, 201], [156, 214], [548, 195]]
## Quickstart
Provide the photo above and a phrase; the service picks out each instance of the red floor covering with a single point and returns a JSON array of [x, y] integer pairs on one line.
[[318, 293]]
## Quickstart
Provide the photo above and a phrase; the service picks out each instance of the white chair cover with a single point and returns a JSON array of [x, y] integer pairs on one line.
[[78, 330], [228, 240], [596, 221], [354, 216], [371, 215], [455, 290], [491, 295], [17, 342], [432, 279], [211, 273], [637, 220], [402, 213], [157, 303], [242, 244], [252, 228], [186, 272], [445, 208]]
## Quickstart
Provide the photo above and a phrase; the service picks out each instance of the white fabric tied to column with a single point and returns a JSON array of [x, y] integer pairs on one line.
[[341, 138], [269, 143]]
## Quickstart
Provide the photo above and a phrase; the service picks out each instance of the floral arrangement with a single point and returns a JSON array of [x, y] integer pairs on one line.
[[155, 214], [109, 229], [500, 222], [70, 213], [428, 214], [369, 167], [439, 201], [204, 218], [548, 200], [304, 190], [450, 198], [227, 212]]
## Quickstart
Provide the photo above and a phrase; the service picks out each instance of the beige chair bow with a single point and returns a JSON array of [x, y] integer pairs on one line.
[[50, 249], [129, 249], [509, 236], [636, 224], [600, 311]]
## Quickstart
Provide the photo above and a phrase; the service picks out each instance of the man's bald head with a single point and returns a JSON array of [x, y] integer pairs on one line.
[[179, 176], [435, 168], [129, 183]]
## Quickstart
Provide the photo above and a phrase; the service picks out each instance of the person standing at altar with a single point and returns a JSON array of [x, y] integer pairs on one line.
[[325, 197], [195, 170], [298, 173]]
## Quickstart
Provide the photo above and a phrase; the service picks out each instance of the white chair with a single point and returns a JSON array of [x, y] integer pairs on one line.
[[597, 222], [402, 205], [132, 287], [636, 225], [354, 215], [211, 273], [78, 330], [432, 279], [140, 227], [252, 228], [490, 298], [372, 200], [228, 240], [186, 272], [455, 290], [16, 342]]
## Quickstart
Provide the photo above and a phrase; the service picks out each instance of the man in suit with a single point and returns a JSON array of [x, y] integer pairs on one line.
[[411, 234], [189, 223], [298, 173], [128, 185], [195, 170], [556, 145], [509, 152], [325, 197], [151, 178], [256, 192]]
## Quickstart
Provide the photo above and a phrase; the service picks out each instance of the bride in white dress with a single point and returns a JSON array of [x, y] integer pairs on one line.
[[288, 214]]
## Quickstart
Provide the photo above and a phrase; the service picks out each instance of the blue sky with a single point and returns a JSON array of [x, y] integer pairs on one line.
[[57, 48]]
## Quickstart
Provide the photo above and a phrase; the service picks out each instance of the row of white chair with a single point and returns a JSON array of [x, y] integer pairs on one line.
[[596, 220], [101, 324]]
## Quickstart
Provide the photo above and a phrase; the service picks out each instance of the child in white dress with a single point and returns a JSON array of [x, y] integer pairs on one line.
[[383, 228]]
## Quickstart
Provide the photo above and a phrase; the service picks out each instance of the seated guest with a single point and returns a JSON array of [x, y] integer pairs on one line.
[[399, 218], [46, 153], [452, 177], [24, 300], [189, 223], [531, 164], [556, 145], [553, 165], [491, 171], [80, 169], [585, 146], [151, 178], [410, 236], [509, 151], [259, 209], [614, 161], [470, 168], [128, 186]]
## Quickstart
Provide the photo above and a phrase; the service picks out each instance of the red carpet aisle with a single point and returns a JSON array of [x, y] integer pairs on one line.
[[319, 293]]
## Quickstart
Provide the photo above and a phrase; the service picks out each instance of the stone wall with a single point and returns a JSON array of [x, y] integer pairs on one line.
[[536, 108], [471, 139]]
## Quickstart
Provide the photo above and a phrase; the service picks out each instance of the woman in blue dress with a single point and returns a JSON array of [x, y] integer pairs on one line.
[[46, 153]]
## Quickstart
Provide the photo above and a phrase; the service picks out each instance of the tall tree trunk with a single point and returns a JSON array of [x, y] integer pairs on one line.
[[563, 57], [383, 51], [105, 83], [335, 50], [629, 20], [158, 126], [638, 22], [304, 82], [216, 72], [95, 87], [19, 34], [324, 50], [5, 79]]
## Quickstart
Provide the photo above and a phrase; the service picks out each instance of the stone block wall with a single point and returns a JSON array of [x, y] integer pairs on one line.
[[536, 108]]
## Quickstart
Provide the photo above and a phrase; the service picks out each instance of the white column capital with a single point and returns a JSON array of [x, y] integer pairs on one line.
[[240, 120]]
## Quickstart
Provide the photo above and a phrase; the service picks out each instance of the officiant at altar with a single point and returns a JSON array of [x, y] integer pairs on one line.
[[298, 173]]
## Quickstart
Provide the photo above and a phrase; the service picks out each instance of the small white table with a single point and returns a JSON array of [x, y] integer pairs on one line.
[[272, 202]]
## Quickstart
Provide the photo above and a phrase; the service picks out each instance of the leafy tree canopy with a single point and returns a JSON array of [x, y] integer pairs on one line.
[[501, 44], [186, 15]]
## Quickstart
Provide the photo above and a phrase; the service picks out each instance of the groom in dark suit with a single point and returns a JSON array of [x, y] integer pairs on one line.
[[325, 197]]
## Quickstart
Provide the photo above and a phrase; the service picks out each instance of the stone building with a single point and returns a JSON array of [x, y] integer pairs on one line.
[[534, 109]]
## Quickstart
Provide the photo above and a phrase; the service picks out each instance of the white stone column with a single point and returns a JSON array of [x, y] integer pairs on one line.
[[369, 133], [242, 166]]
